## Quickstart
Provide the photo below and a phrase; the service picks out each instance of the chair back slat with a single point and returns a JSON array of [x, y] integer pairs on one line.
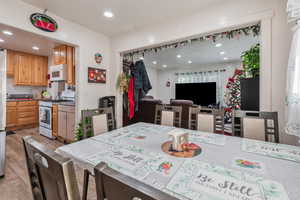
[[168, 115], [97, 121], [51, 175], [264, 125], [206, 119], [112, 185]]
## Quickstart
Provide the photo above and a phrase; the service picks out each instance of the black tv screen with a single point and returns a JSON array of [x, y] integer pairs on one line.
[[203, 94]]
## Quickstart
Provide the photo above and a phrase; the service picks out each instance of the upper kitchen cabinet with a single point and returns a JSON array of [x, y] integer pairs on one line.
[[40, 71], [60, 55], [71, 65], [64, 54], [11, 63], [28, 69], [23, 69]]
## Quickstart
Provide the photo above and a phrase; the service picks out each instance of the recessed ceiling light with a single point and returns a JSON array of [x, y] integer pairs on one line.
[[225, 58], [108, 14], [222, 52], [178, 56], [154, 62], [142, 58], [35, 48], [1, 40], [218, 44], [190, 62], [7, 32], [164, 66]]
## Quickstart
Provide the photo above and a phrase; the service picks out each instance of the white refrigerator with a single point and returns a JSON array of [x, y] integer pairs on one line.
[[2, 89], [2, 109]]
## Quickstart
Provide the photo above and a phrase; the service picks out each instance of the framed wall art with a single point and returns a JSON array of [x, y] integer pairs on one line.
[[96, 75]]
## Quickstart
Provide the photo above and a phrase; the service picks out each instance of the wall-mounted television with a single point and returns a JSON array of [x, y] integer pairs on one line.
[[203, 94]]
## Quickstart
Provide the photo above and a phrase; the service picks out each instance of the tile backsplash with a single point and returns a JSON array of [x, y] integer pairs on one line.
[[13, 89]]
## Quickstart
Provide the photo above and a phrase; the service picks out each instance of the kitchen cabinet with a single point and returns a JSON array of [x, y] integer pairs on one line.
[[21, 114], [70, 65], [40, 71], [23, 69], [11, 114], [64, 54], [55, 120], [10, 63], [60, 55], [66, 123], [28, 69]]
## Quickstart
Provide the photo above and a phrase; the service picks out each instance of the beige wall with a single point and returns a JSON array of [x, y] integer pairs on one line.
[[215, 18]]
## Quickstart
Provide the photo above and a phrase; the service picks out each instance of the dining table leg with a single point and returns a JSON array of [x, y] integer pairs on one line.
[[85, 184]]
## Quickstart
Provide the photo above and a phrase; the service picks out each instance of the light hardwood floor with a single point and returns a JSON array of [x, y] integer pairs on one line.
[[15, 184]]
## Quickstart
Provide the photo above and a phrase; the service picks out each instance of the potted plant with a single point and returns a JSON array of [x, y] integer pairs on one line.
[[250, 83], [251, 61]]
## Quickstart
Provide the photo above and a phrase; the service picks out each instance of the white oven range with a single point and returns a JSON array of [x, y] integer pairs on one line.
[[45, 113]]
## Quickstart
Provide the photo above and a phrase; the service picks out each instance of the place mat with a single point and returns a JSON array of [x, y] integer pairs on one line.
[[199, 180], [185, 154], [205, 137], [280, 151]]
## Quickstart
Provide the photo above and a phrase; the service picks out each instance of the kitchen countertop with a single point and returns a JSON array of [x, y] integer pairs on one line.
[[67, 103]]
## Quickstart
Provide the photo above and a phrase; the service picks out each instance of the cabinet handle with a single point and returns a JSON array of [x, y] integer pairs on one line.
[[136, 198]]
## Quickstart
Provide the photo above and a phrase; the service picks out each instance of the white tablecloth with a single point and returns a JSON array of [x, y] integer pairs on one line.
[[147, 139]]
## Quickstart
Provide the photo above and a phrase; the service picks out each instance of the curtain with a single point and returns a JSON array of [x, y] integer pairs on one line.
[[293, 9], [293, 89], [219, 76], [292, 109]]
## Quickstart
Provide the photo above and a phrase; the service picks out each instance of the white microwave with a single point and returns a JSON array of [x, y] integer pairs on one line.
[[58, 73]]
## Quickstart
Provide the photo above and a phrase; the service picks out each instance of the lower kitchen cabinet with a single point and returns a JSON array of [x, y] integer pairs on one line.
[[66, 123], [55, 120], [21, 114]]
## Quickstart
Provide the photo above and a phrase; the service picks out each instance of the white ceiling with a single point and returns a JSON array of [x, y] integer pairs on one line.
[[129, 15], [201, 53], [24, 41]]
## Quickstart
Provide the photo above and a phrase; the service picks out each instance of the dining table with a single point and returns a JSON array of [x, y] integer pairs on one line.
[[223, 168]]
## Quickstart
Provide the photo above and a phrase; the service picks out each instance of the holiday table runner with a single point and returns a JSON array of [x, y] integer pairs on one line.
[[198, 180], [280, 151]]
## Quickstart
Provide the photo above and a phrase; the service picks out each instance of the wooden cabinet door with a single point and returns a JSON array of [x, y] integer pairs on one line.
[[10, 63], [39, 70], [62, 125], [63, 54], [70, 127], [55, 120], [11, 117], [45, 72], [23, 70], [56, 55], [70, 66], [60, 55]]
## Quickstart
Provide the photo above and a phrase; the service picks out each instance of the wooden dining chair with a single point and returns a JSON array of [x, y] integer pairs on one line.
[[168, 115], [97, 121], [206, 119], [51, 175], [112, 185], [256, 125]]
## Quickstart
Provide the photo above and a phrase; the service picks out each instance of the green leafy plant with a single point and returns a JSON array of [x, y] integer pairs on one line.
[[79, 132], [251, 61]]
